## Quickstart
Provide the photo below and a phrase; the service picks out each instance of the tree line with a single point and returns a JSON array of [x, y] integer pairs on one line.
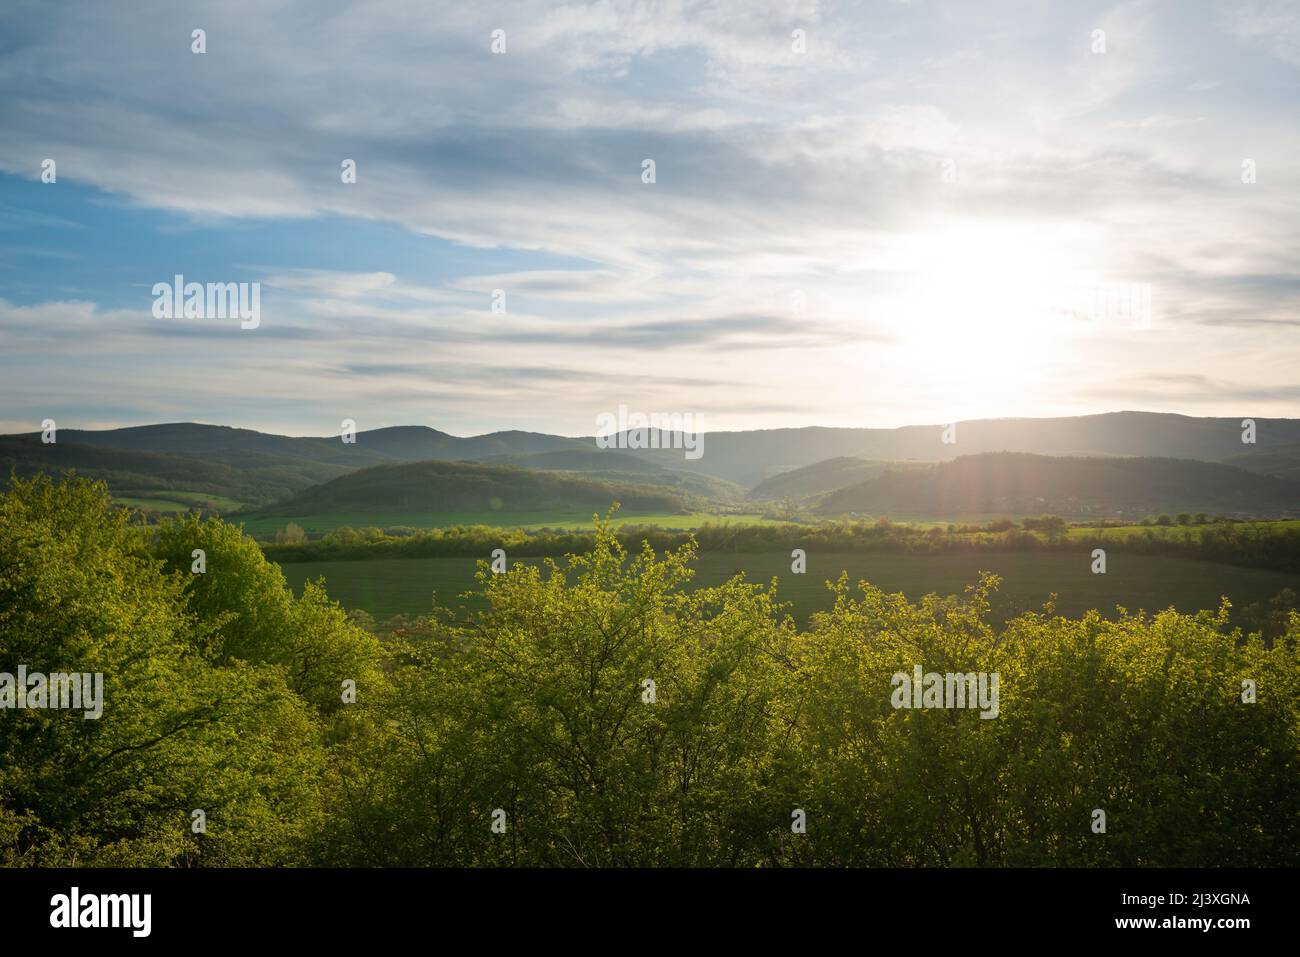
[[1254, 544]]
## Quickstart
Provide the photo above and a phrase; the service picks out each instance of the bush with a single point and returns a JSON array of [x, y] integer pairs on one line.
[[291, 534], [1052, 525]]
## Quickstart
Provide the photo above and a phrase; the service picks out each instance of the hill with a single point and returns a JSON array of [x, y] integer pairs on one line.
[[609, 465], [268, 466], [467, 487], [418, 443], [816, 478], [130, 472], [255, 468], [240, 447], [749, 457], [578, 460], [1282, 461], [1019, 484]]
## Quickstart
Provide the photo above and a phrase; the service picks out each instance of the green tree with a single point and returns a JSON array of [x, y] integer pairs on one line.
[[79, 592]]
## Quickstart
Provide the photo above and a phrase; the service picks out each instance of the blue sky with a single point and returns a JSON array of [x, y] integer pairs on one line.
[[875, 231]]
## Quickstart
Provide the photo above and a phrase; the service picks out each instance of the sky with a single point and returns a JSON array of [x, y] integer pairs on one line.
[[861, 213]]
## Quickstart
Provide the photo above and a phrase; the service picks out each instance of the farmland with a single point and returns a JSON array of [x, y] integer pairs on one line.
[[387, 587], [171, 502]]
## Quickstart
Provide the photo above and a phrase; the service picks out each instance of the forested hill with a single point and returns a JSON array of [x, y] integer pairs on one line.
[[750, 457], [138, 471], [256, 468], [1015, 483], [467, 486], [819, 477]]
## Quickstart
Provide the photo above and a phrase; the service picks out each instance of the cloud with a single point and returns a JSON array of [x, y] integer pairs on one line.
[[1271, 24], [833, 175]]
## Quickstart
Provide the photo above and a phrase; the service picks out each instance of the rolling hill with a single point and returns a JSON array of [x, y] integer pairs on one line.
[[243, 447], [816, 478], [578, 460], [749, 457], [259, 468], [255, 468], [442, 487], [608, 465], [1020, 484], [1280, 460], [130, 472]]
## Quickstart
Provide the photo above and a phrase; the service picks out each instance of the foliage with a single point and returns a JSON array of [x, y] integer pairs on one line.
[[222, 692], [202, 707]]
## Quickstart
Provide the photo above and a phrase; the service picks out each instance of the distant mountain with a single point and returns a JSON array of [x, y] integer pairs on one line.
[[578, 460], [418, 443], [252, 467], [245, 465], [237, 447], [1282, 461], [466, 486], [1020, 484], [275, 465], [750, 457], [244, 447], [816, 478], [514, 442], [133, 471]]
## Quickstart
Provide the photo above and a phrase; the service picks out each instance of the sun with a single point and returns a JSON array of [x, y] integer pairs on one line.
[[979, 306]]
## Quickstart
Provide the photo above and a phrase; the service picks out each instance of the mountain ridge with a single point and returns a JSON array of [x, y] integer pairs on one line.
[[267, 466], [1017, 483]]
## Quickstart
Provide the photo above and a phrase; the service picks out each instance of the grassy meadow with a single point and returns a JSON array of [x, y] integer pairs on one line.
[[1162, 531], [388, 587], [175, 502]]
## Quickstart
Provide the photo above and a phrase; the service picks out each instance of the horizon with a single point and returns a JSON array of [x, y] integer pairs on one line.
[[854, 217], [411, 425]]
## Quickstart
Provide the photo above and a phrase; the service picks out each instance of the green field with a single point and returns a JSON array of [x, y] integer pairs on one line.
[[386, 587], [169, 501], [266, 526], [1170, 531]]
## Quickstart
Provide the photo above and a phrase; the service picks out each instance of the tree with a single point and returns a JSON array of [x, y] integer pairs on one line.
[[1052, 525], [80, 593]]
